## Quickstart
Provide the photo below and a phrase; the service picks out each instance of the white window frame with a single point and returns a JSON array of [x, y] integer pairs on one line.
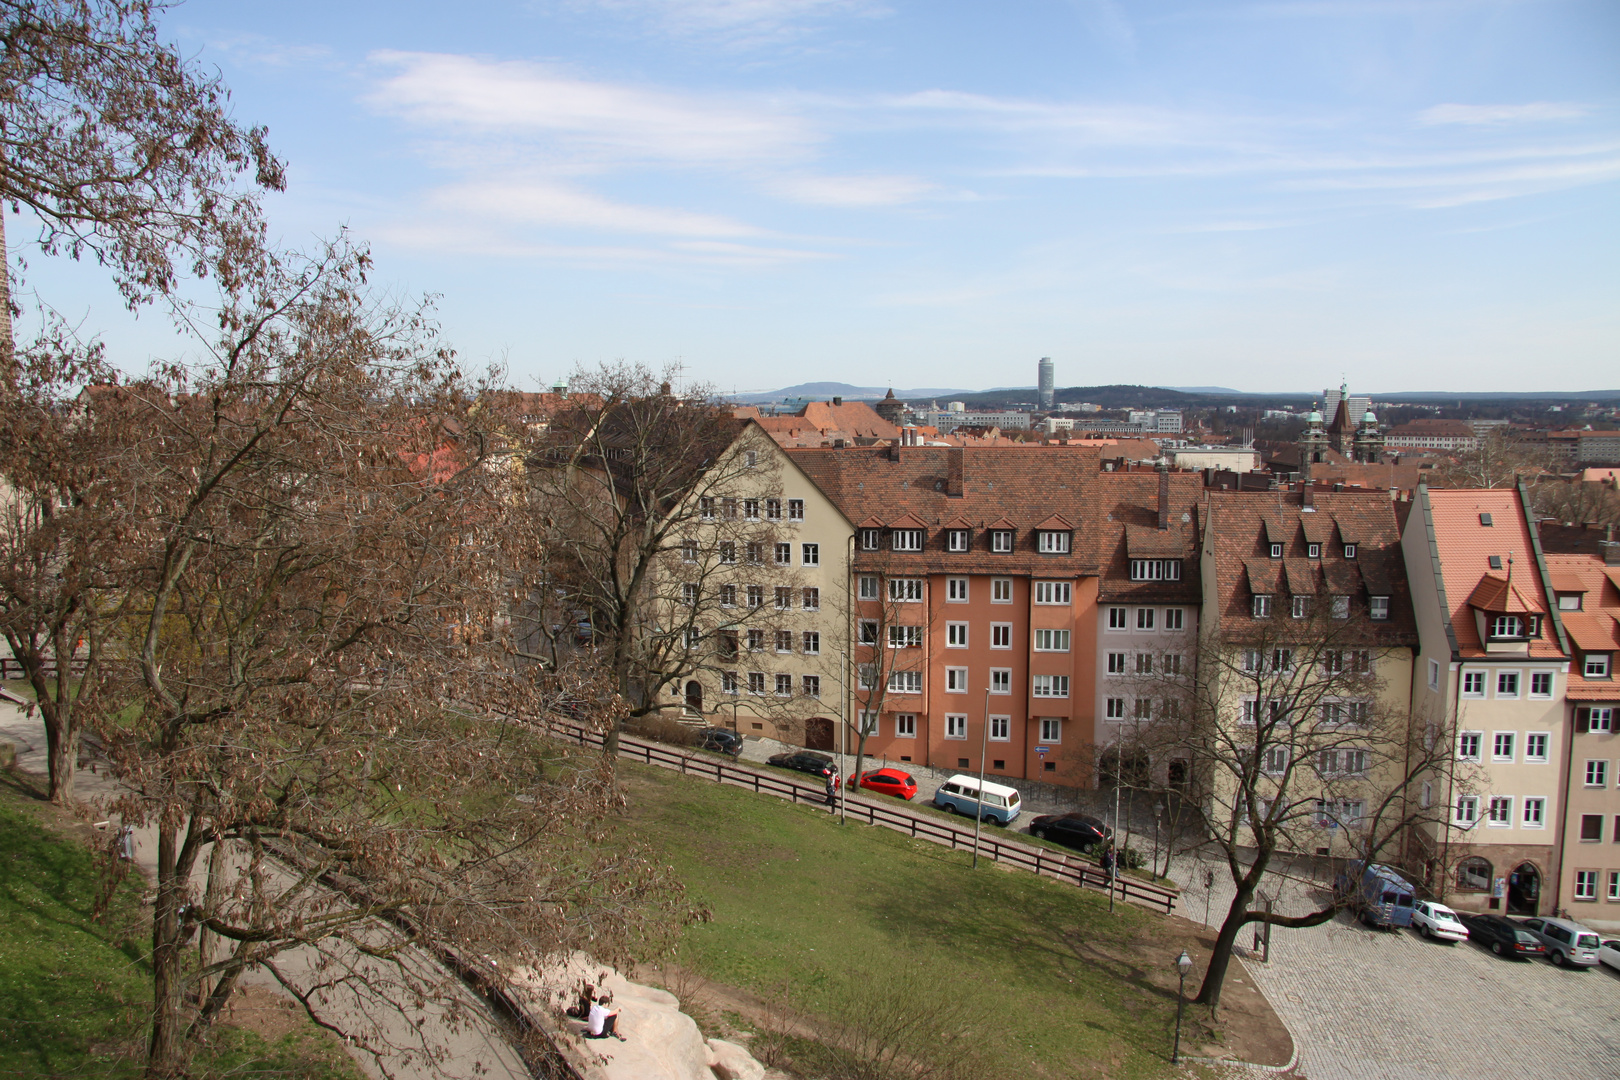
[[905, 725], [1146, 618], [1551, 679], [1341, 607], [957, 540], [1054, 641], [907, 590], [1599, 768], [868, 587], [1175, 620], [956, 725], [1276, 761], [1473, 677], [1000, 728], [1600, 719], [1001, 635], [1463, 738], [1465, 811], [1378, 608], [1260, 607], [1434, 674], [956, 635], [1116, 663], [1155, 569], [956, 680], [1054, 593], [1001, 541], [1533, 813], [810, 554], [1531, 740], [870, 721], [907, 539], [1512, 746], [1001, 590], [795, 509], [1053, 543], [1051, 731], [812, 642], [1499, 812], [1586, 884], [1614, 884], [1595, 666], [1114, 708], [1518, 681], [905, 637], [905, 682], [956, 590], [1001, 680], [1050, 686], [1349, 551]]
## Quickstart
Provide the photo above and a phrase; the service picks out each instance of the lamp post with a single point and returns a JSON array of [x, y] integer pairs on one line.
[[984, 746], [1183, 965]]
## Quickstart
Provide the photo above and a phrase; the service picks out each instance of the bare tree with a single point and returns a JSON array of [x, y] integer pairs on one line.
[[655, 523], [314, 559], [1288, 736], [1578, 502], [1496, 460], [121, 148]]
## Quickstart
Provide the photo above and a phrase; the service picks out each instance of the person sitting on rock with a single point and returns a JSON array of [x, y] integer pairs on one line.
[[601, 1022], [582, 1008]]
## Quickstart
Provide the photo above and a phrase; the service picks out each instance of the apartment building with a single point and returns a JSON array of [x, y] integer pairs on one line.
[[766, 564], [1432, 434], [974, 601], [1307, 620], [1587, 593], [1493, 668], [1148, 597]]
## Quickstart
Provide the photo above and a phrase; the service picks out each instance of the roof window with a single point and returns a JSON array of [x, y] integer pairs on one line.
[[1496, 562], [1485, 519]]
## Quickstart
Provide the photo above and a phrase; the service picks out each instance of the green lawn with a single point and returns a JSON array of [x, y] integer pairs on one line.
[[803, 904], [74, 990]]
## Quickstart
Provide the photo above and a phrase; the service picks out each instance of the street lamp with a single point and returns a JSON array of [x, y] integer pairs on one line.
[[1183, 965]]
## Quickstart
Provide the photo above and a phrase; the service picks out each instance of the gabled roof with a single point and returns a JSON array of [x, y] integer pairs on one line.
[[1280, 530], [1056, 523], [1593, 632], [1565, 582], [1303, 579], [1265, 576], [1001, 523], [957, 522], [1343, 578], [1318, 528], [1595, 627], [907, 521], [1498, 594]]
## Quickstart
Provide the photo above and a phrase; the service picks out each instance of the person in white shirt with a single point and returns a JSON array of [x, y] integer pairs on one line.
[[597, 1023]]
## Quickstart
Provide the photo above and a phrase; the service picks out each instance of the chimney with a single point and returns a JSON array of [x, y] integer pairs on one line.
[[1611, 552], [894, 449], [838, 401], [1164, 495], [956, 472]]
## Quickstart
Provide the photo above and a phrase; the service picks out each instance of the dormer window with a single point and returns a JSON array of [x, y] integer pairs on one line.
[[1378, 608], [1597, 665], [1276, 551], [870, 539], [906, 540], [1569, 601], [1507, 626], [1349, 551], [1313, 551], [1155, 569], [1054, 543], [956, 540], [1001, 541], [1261, 608]]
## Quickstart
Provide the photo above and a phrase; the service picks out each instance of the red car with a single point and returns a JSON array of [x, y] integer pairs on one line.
[[888, 782]]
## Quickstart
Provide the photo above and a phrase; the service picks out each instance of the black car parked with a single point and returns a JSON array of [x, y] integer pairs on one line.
[[1502, 936], [805, 761], [1071, 830], [718, 738]]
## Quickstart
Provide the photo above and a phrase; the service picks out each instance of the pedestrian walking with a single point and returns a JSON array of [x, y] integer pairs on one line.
[[832, 790]]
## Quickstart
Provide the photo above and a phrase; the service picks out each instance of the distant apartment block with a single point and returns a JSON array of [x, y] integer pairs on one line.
[[1432, 435], [1167, 420], [947, 420]]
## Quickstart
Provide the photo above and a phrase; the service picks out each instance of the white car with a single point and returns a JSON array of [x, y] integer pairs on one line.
[[1438, 922], [1609, 953]]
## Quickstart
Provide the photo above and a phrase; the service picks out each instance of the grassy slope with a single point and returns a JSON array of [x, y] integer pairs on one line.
[[74, 991], [797, 901]]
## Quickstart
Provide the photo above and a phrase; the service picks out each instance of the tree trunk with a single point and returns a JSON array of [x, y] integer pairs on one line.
[[1221, 958], [61, 751], [207, 940], [166, 1056]]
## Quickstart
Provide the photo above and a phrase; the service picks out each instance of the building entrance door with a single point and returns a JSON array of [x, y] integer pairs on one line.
[[1524, 890]]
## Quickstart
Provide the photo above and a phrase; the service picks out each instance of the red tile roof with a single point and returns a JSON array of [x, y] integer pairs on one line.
[[1596, 627], [1466, 546]]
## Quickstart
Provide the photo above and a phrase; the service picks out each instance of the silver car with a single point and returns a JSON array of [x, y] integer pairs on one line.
[[1567, 942]]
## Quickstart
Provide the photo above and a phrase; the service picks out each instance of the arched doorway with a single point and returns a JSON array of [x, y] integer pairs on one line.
[[694, 697], [818, 733], [1523, 890]]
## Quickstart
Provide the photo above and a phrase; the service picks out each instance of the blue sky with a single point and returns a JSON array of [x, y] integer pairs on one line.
[[1415, 194]]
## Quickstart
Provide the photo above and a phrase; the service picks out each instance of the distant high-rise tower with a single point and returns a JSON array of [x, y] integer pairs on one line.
[[1048, 390]]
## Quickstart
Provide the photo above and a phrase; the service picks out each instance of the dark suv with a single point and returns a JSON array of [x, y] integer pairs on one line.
[[804, 761]]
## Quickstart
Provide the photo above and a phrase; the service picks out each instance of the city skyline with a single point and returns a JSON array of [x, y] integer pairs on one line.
[[1418, 195]]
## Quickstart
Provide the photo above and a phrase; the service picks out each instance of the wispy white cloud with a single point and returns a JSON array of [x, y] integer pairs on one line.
[[257, 50], [595, 119], [853, 191], [735, 23], [556, 206], [1493, 115]]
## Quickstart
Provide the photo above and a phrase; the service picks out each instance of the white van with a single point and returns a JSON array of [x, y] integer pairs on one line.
[[960, 795]]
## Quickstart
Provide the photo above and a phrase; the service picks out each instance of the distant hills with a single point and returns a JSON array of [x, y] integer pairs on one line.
[[1119, 396]]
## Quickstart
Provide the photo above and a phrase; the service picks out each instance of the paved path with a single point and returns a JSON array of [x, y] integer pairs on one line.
[[476, 1048]]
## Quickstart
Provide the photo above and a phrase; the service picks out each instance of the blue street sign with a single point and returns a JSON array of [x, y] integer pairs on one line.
[[1040, 749]]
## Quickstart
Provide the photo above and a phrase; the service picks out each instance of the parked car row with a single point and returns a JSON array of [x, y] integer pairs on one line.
[[1563, 941]]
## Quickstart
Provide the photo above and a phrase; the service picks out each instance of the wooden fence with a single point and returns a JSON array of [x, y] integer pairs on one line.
[[1035, 859], [12, 668]]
